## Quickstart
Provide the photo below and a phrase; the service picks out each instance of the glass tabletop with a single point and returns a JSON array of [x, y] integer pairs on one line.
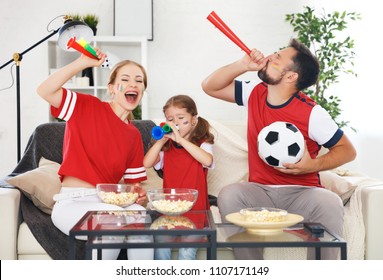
[[123, 221], [123, 229], [231, 235]]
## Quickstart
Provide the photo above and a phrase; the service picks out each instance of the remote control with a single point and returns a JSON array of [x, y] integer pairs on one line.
[[315, 228]]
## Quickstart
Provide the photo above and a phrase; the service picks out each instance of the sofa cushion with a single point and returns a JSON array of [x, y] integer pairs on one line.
[[27, 243], [230, 157], [153, 181], [40, 184], [341, 185]]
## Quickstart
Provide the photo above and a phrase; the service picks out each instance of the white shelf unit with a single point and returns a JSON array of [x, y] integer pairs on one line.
[[132, 48]]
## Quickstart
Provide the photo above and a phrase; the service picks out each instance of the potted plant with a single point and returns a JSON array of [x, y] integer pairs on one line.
[[76, 17], [91, 20], [320, 33]]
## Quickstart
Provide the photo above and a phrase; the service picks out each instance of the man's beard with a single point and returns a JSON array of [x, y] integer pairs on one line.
[[266, 78]]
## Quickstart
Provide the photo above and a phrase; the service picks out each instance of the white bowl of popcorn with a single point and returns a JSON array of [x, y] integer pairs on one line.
[[118, 194], [264, 214], [172, 202]]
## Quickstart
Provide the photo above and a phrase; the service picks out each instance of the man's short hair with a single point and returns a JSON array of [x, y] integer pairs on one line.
[[305, 64]]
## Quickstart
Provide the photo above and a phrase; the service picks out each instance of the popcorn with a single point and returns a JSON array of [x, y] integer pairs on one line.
[[171, 222], [172, 206], [120, 199], [264, 215]]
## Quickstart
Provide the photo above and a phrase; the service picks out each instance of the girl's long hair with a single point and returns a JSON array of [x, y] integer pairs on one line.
[[201, 133]]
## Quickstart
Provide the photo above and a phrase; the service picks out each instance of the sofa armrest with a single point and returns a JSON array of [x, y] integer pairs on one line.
[[366, 194], [372, 209], [9, 217]]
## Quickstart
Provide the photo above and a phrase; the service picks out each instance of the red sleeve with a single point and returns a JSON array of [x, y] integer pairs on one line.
[[56, 111], [68, 103], [136, 171]]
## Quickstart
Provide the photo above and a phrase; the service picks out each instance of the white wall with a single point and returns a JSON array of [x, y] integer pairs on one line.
[[186, 48]]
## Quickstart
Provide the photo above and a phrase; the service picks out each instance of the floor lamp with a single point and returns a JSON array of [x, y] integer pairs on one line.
[[69, 30]]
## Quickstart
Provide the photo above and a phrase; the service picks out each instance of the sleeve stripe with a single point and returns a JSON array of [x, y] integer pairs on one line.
[[135, 170], [68, 107], [335, 139], [135, 173], [135, 176], [238, 93]]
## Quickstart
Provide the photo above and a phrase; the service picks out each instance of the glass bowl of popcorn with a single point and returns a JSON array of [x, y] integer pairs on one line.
[[172, 202], [263, 215], [121, 195]]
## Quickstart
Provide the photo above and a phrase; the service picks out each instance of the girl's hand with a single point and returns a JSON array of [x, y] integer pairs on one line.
[[175, 135]]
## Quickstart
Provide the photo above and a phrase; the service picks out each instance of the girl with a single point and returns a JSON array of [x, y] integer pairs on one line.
[[101, 145], [184, 156]]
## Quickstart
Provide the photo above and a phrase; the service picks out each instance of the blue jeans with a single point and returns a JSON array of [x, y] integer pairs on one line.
[[183, 253]]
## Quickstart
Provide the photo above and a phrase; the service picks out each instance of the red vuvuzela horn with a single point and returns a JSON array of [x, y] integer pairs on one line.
[[73, 44], [218, 22]]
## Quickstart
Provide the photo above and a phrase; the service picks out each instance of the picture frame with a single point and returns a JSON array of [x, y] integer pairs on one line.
[[133, 18]]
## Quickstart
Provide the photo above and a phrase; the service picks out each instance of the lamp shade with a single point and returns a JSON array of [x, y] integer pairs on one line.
[[77, 29]]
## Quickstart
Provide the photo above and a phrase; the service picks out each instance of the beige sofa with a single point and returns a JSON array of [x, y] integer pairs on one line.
[[364, 196]]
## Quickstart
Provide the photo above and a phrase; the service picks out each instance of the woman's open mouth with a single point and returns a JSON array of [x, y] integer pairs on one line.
[[131, 97]]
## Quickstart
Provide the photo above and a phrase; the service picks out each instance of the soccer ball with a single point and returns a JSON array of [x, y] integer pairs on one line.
[[279, 143]]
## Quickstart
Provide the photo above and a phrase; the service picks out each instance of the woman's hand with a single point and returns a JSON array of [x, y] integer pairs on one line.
[[93, 62], [142, 199]]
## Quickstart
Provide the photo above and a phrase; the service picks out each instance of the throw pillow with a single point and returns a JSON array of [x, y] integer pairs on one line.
[[230, 157], [40, 184], [153, 180], [338, 184]]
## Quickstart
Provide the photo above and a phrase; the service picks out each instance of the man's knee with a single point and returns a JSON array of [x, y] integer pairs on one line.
[[331, 202], [230, 194]]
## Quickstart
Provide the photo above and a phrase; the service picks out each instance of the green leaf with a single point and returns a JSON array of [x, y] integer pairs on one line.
[[321, 33]]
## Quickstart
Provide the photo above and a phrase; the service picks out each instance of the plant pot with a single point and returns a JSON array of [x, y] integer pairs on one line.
[[94, 30], [88, 72]]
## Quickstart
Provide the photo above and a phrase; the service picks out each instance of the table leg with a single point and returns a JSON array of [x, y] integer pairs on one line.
[[343, 252], [88, 253], [211, 252], [72, 248]]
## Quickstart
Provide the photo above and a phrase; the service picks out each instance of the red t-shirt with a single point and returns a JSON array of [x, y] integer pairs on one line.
[[181, 170], [98, 146], [298, 110]]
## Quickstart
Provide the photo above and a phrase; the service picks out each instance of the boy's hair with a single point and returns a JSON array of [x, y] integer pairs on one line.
[[201, 132], [305, 64]]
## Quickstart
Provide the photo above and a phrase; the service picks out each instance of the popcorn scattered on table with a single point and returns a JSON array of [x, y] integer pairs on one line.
[[171, 222], [122, 212]]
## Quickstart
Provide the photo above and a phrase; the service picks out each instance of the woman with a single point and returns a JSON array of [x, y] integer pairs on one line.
[[101, 145]]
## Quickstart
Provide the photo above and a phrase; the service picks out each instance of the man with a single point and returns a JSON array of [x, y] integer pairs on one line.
[[296, 187]]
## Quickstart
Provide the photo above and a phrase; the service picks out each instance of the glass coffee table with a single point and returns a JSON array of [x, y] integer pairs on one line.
[[111, 230], [230, 235]]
